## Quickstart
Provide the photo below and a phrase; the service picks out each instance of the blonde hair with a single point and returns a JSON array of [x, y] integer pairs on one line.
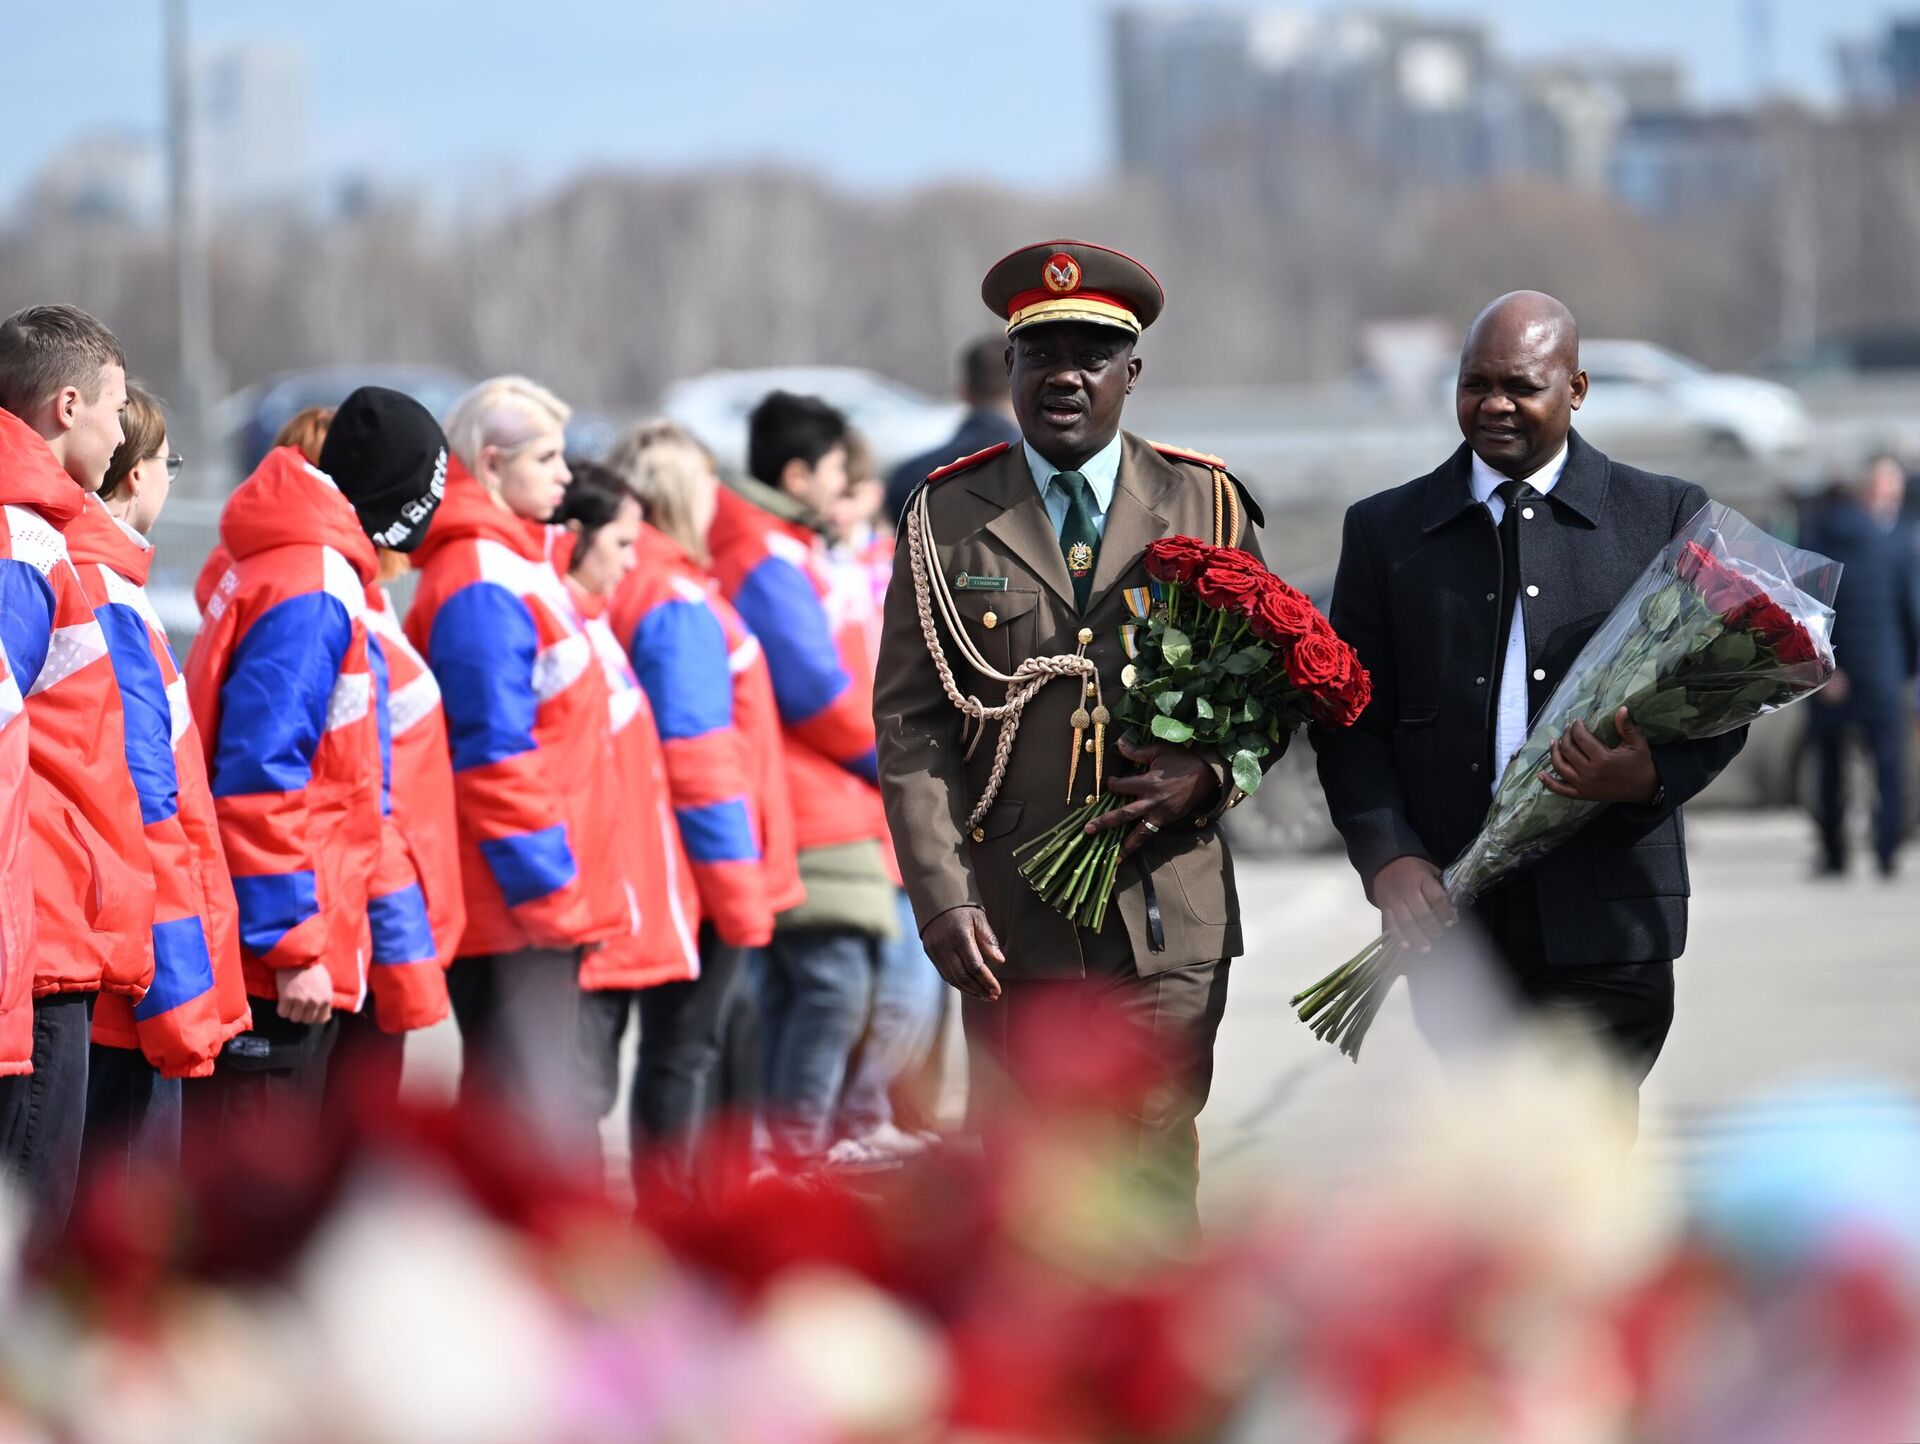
[[507, 412], [664, 467]]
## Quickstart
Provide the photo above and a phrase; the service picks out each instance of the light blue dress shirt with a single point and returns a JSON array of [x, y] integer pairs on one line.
[[1102, 471], [1510, 711]]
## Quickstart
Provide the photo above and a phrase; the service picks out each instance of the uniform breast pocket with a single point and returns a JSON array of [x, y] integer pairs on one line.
[[1003, 625]]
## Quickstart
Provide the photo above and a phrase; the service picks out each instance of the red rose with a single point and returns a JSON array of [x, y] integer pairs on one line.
[[1344, 706], [1319, 665], [1230, 588], [1720, 587], [1176, 558], [1773, 627], [1282, 614]]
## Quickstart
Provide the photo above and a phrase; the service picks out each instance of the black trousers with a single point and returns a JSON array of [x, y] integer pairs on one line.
[[682, 1027], [263, 1079], [133, 1115], [1159, 1028], [1626, 1008], [364, 1071], [43, 1114], [1882, 725], [519, 1014]]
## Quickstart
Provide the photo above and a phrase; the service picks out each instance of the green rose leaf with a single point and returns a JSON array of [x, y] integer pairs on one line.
[[1246, 771], [1204, 708], [1177, 647], [1172, 729], [1169, 702]]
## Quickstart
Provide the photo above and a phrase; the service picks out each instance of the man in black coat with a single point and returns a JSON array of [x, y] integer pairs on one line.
[[988, 422], [1468, 593], [1876, 644]]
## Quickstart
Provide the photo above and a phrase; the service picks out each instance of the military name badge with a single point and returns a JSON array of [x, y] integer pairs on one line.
[[1079, 559], [968, 583]]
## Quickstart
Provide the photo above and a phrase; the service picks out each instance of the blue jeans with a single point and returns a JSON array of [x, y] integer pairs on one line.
[[816, 986], [907, 999]]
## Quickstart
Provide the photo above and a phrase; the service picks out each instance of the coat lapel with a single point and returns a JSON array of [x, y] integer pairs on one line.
[[1020, 521], [1136, 517]]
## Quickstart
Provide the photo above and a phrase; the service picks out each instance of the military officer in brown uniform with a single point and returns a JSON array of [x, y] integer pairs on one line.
[[1037, 547]]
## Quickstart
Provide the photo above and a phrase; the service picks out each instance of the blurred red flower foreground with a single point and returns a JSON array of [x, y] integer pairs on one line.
[[438, 1275]]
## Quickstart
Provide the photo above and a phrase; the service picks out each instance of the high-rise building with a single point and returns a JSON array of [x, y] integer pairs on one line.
[[102, 175], [250, 123]]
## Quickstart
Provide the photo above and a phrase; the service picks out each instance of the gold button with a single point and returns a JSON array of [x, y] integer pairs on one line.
[[979, 834], [991, 621], [1091, 799], [1086, 635], [1089, 744], [1092, 690]]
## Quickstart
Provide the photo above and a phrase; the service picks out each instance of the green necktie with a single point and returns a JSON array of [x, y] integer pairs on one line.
[[1079, 538]]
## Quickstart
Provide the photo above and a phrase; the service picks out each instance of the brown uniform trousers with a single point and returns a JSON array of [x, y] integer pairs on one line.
[[989, 521]]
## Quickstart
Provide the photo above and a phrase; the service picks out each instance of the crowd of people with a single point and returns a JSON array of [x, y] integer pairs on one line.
[[615, 762]]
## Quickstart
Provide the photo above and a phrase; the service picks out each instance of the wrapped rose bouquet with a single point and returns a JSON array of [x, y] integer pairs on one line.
[[1724, 626], [1227, 659]]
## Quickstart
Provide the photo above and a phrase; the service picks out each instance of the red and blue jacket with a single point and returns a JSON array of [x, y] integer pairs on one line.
[[92, 881], [527, 726], [773, 568], [198, 999], [411, 992], [662, 941], [16, 883], [292, 702], [663, 615]]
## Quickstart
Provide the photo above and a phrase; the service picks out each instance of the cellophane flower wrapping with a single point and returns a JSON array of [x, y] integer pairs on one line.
[[1725, 625]]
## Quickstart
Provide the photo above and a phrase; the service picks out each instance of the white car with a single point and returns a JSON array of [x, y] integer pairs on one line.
[[897, 421], [1641, 395]]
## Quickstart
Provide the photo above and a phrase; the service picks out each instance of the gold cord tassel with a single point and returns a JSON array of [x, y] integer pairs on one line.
[[1080, 720]]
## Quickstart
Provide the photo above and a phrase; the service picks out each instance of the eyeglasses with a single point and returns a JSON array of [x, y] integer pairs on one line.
[[174, 462]]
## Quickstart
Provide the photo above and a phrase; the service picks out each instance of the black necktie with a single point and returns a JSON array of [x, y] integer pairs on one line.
[[1515, 494], [1079, 538]]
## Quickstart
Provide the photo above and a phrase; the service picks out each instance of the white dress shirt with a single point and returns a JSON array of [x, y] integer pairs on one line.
[[1102, 471], [1510, 712]]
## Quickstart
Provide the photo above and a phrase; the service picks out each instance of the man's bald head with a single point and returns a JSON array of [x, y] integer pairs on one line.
[[1520, 382]]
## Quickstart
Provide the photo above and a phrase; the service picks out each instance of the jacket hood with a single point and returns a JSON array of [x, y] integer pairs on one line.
[[654, 550], [96, 535], [31, 476], [288, 502], [469, 513]]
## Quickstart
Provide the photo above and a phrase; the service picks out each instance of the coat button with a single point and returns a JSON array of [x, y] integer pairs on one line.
[[1473, 767], [1533, 591], [1493, 596], [990, 621], [1086, 635], [1526, 513], [1479, 681], [1539, 674], [979, 834]]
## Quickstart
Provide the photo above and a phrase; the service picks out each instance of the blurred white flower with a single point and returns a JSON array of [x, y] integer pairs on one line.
[[873, 1370], [429, 1326]]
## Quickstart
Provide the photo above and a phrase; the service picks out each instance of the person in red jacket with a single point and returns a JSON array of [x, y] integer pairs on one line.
[[62, 387], [529, 729], [293, 695], [198, 1000], [770, 558], [16, 883]]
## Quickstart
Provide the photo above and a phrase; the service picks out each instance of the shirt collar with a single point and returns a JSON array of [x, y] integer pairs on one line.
[[1102, 471], [1485, 480]]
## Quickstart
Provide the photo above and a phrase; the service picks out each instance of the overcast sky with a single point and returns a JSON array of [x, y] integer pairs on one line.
[[874, 95]]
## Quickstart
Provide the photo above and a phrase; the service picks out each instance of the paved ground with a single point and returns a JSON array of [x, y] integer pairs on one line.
[[1784, 980]]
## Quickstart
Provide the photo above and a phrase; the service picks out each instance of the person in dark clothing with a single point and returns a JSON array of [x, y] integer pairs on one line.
[[1876, 642], [1468, 594], [988, 422]]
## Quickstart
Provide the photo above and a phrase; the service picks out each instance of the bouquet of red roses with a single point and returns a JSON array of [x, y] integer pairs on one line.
[[1225, 658], [1724, 626]]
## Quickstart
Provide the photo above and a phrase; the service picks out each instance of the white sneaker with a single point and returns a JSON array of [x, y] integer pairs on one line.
[[856, 1155], [895, 1141]]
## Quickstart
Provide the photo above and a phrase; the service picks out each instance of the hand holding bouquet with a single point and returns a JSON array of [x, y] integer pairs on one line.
[[1724, 626], [1227, 659]]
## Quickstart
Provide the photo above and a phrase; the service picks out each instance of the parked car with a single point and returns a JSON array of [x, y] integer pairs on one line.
[[1879, 351], [253, 416], [897, 421], [1641, 396]]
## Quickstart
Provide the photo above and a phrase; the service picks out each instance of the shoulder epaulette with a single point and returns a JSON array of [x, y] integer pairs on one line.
[[1214, 463], [966, 463], [1182, 453]]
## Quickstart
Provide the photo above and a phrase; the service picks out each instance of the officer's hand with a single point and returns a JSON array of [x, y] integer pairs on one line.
[[1413, 906], [306, 994], [959, 941], [1175, 785], [1591, 771]]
